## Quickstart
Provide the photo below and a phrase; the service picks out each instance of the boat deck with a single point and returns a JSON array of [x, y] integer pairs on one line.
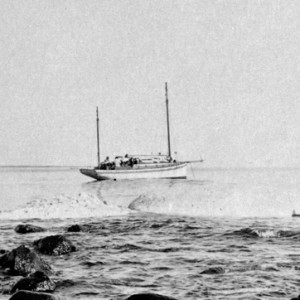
[[142, 166]]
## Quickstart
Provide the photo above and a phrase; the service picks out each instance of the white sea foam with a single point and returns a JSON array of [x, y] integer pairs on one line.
[[219, 200], [83, 205], [266, 233]]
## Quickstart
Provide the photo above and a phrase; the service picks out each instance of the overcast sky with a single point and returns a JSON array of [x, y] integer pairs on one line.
[[233, 69]]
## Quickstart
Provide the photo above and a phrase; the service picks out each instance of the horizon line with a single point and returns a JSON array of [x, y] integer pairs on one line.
[[203, 168]]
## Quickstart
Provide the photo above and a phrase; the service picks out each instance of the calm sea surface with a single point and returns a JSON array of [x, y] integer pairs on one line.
[[160, 235]]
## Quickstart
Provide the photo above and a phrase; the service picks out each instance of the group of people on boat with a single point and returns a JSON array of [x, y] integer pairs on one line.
[[119, 162], [129, 161]]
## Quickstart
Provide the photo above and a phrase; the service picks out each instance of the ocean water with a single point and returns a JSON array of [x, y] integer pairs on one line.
[[160, 235]]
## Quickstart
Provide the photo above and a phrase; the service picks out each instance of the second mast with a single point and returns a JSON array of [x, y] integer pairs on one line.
[[168, 125]]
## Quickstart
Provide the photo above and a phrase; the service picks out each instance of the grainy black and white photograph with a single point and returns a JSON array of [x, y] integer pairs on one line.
[[149, 150]]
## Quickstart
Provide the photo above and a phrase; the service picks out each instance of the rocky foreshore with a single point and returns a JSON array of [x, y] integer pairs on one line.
[[29, 270], [27, 273], [33, 273]]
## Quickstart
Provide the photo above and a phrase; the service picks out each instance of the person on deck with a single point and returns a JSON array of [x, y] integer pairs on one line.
[[117, 162], [130, 162], [107, 163], [125, 160]]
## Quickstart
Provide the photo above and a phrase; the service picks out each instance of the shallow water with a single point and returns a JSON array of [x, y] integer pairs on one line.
[[171, 232]]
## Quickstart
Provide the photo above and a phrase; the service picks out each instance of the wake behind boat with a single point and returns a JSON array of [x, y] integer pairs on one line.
[[138, 166]]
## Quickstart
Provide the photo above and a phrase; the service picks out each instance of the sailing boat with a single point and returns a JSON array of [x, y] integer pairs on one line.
[[138, 166]]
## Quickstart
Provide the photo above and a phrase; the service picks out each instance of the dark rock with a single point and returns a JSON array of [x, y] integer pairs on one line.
[[27, 295], [54, 245], [37, 281], [247, 232], [75, 228], [149, 296], [213, 271], [78, 228], [28, 228], [23, 261], [296, 298]]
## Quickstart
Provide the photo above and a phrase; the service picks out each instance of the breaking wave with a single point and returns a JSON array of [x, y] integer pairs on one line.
[[219, 201], [82, 206]]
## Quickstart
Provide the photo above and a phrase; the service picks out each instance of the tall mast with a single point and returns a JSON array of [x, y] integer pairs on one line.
[[98, 142], [168, 125]]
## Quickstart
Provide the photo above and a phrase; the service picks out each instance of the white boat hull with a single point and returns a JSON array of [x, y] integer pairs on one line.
[[170, 171]]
